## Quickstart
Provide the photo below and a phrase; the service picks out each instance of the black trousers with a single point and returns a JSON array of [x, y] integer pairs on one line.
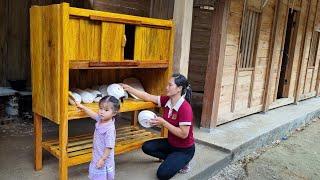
[[174, 158]]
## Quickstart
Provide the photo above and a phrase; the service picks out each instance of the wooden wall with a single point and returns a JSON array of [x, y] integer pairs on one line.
[[14, 29], [308, 75], [137, 7], [199, 46], [14, 41], [243, 91]]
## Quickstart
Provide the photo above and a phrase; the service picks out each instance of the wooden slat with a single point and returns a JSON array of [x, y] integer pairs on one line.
[[115, 20], [114, 64], [75, 64], [79, 151], [143, 20]]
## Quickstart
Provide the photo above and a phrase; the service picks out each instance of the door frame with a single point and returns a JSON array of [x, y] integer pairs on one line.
[[292, 48]]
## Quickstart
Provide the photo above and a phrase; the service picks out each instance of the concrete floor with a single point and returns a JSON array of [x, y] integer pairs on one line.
[[213, 150], [17, 153]]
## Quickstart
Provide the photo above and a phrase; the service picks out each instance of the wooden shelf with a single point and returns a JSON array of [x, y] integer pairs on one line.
[[128, 105], [117, 65], [79, 148]]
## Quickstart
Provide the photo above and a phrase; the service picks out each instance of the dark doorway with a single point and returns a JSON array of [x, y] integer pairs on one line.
[[288, 49]]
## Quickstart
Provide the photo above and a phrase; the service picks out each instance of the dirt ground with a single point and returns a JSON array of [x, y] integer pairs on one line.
[[294, 157]]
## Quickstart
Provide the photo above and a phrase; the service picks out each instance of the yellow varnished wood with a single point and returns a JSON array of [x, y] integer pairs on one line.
[[151, 44], [37, 142], [79, 149], [46, 60], [64, 41], [112, 41]]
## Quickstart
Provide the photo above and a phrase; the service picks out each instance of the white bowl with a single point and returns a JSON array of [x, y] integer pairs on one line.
[[144, 118]]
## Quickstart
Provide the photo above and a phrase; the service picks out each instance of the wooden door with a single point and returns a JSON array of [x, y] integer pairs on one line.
[[151, 44]]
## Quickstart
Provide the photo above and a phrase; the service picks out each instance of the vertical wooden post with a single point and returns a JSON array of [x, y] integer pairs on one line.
[[182, 17], [164, 132], [300, 63], [267, 89], [134, 118], [64, 79], [37, 120], [63, 141], [216, 57]]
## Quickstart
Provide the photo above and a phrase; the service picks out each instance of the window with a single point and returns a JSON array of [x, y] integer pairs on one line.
[[313, 49], [249, 34]]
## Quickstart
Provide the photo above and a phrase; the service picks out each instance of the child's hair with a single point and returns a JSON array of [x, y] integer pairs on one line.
[[181, 80], [114, 101]]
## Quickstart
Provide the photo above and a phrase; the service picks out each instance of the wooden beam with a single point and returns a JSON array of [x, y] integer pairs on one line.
[[134, 118], [268, 79], [214, 71], [64, 84], [300, 63]]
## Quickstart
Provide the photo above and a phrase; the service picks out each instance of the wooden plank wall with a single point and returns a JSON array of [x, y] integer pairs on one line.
[[243, 102], [3, 40], [199, 48], [309, 74], [14, 41], [137, 7], [162, 9]]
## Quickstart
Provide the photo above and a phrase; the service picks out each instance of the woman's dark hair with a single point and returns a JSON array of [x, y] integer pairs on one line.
[[113, 100], [181, 80]]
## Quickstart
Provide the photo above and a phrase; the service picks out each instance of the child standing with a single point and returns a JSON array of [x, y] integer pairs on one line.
[[102, 166]]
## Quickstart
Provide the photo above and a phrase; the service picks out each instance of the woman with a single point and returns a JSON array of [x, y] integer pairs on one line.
[[178, 149]]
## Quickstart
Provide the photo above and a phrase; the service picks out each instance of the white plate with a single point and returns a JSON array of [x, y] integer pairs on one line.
[[135, 83]]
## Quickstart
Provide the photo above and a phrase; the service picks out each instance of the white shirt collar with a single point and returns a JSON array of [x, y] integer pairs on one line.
[[177, 105]]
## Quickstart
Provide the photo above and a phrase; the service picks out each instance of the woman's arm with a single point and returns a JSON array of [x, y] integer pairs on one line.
[[182, 131], [88, 111], [141, 94]]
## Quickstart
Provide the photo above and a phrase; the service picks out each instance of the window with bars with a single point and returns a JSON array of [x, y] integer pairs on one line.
[[313, 49], [249, 35]]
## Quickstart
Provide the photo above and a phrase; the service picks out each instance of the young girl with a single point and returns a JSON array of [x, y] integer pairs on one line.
[[102, 166]]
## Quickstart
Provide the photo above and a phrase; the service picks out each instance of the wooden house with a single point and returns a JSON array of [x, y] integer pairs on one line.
[[262, 54]]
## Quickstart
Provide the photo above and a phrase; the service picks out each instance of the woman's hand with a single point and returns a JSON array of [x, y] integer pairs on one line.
[[158, 121], [125, 87], [100, 163]]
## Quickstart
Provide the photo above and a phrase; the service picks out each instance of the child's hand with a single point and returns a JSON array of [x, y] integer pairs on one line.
[[79, 105], [100, 163]]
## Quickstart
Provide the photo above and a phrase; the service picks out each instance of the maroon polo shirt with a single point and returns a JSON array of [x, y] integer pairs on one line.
[[179, 114]]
